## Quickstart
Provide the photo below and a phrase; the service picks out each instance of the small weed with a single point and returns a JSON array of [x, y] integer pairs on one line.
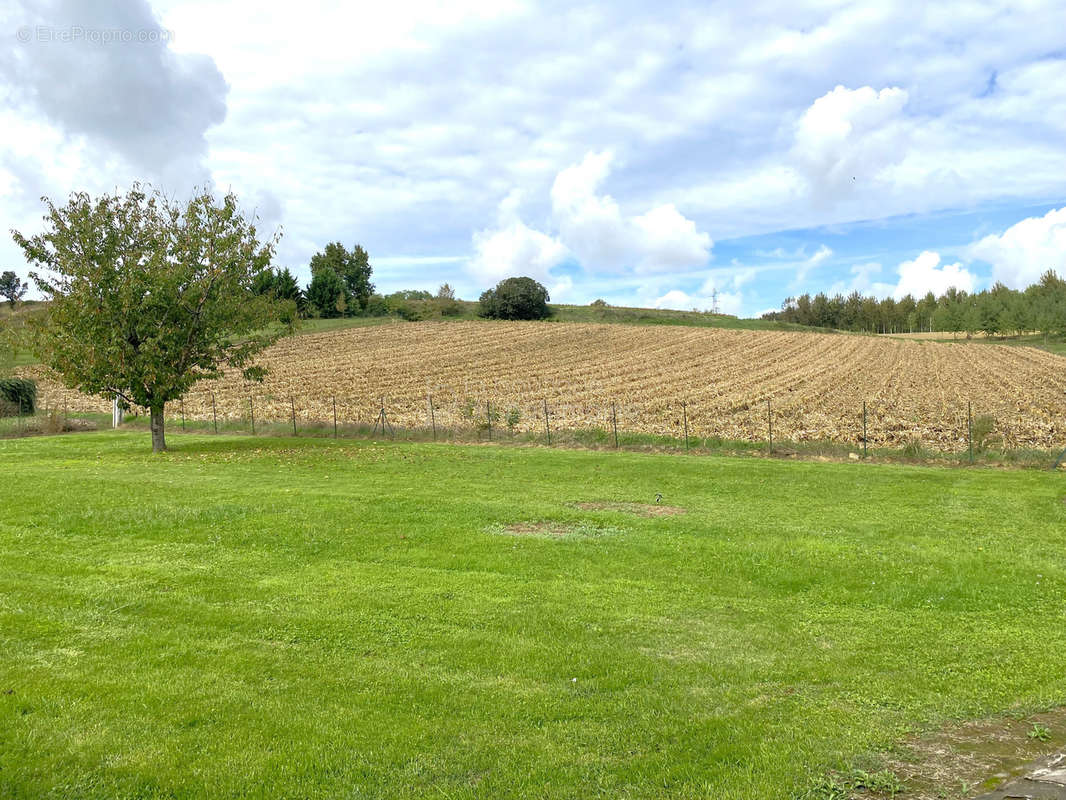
[[514, 416], [841, 786], [913, 449], [1039, 733]]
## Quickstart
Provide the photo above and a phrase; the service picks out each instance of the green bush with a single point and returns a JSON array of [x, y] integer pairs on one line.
[[376, 306], [515, 298], [18, 395], [984, 433]]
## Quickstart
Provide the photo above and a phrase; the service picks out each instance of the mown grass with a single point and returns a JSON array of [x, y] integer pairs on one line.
[[277, 617]]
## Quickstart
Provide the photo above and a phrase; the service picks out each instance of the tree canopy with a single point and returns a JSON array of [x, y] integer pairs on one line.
[[351, 268], [149, 296], [515, 298], [12, 288], [998, 310]]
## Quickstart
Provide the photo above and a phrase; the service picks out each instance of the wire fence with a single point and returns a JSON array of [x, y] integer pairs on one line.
[[964, 433]]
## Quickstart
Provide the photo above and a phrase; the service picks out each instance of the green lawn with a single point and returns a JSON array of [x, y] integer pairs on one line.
[[274, 617]]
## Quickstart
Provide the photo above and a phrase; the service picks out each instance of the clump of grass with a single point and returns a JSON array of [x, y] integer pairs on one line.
[[983, 432], [841, 786], [1039, 733], [913, 449]]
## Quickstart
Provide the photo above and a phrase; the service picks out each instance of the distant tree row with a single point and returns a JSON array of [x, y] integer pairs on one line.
[[340, 287], [997, 311]]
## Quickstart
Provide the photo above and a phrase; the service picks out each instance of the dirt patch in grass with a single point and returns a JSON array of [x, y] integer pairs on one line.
[[968, 759], [538, 529], [638, 509], [553, 529]]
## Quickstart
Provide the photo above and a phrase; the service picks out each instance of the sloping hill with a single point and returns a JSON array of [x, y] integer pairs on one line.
[[816, 383]]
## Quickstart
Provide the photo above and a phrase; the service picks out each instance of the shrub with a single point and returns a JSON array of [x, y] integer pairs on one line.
[[376, 306], [20, 394], [984, 433], [449, 308], [514, 416], [515, 298]]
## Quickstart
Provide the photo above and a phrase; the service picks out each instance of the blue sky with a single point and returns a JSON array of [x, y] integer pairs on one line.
[[644, 153]]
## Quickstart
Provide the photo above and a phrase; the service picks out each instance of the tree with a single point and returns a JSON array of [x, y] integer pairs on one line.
[[989, 308], [282, 285], [148, 296], [515, 298], [352, 267], [327, 293], [11, 288], [446, 301]]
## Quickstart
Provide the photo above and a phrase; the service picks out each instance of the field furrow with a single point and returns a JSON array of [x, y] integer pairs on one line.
[[815, 383]]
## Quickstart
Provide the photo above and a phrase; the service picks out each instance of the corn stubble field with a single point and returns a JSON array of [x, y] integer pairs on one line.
[[816, 383]]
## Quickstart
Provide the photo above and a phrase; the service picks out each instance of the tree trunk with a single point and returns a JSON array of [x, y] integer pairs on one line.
[[159, 442]]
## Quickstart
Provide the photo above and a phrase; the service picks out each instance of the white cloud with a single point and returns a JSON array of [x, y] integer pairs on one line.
[[591, 224], [722, 123], [743, 276], [515, 250], [726, 302], [819, 257], [676, 299], [592, 228], [1023, 252], [667, 240], [603, 239], [863, 280], [562, 290], [848, 135], [925, 274]]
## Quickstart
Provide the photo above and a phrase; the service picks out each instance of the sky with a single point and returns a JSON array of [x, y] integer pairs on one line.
[[666, 154]]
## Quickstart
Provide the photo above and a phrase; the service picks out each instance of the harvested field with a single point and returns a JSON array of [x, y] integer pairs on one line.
[[816, 383]]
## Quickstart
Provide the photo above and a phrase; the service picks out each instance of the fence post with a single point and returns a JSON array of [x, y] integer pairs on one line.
[[684, 416], [19, 405], [251, 414], [383, 420], [214, 412], [334, 416], [183, 413], [865, 452], [432, 416], [969, 427], [292, 403], [614, 423], [770, 424], [488, 417], [547, 428], [1059, 460]]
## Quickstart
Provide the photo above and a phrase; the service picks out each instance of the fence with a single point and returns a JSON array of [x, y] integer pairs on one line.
[[830, 425], [965, 434]]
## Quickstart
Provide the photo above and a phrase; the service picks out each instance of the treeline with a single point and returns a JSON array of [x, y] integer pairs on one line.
[[997, 311], [340, 286]]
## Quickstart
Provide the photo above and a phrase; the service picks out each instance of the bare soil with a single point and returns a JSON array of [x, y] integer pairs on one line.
[[970, 758], [638, 509]]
